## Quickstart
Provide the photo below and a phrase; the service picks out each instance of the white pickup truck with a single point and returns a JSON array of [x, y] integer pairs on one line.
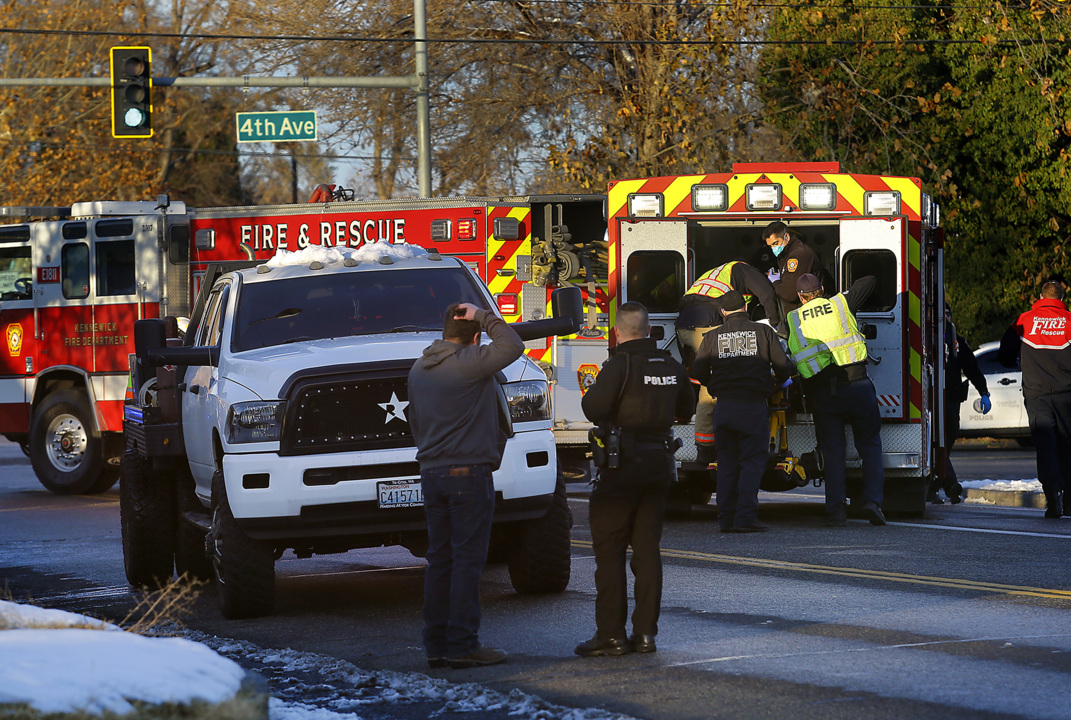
[[280, 423]]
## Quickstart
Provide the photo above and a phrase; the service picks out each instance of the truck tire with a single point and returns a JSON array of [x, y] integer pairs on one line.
[[147, 519], [66, 448], [244, 568], [540, 559]]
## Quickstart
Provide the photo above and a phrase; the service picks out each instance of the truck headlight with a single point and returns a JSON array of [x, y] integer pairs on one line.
[[528, 400], [251, 422]]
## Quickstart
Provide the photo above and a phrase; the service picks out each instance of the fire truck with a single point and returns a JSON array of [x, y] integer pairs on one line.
[[73, 280], [664, 232]]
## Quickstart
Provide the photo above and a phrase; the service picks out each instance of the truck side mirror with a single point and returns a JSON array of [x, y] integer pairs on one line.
[[567, 302]]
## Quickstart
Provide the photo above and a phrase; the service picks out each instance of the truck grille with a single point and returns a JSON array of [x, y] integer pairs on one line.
[[341, 414]]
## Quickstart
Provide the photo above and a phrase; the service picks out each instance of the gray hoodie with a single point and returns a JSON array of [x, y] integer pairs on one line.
[[454, 408]]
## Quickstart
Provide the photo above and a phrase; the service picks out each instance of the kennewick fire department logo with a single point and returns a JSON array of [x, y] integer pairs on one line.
[[13, 333], [586, 375], [792, 264]]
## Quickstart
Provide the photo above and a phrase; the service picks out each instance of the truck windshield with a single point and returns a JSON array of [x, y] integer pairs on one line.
[[345, 304]]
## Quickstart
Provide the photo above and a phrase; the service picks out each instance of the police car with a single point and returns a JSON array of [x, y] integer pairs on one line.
[[1008, 418]]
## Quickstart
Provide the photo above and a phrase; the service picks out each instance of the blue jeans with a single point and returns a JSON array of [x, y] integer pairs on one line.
[[742, 436], [459, 503], [835, 404]]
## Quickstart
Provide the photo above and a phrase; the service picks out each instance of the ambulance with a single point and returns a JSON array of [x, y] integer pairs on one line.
[[664, 232]]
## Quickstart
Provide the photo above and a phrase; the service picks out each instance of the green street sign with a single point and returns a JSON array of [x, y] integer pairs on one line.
[[296, 126]]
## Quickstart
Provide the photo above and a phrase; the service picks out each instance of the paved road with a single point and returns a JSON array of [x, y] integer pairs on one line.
[[964, 614]]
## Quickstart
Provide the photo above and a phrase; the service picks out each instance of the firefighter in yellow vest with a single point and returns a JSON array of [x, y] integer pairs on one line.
[[830, 356], [700, 311]]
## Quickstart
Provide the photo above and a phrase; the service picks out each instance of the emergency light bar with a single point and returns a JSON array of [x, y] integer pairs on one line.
[[466, 229], [507, 228], [763, 197], [818, 196], [507, 303], [648, 205], [881, 203], [710, 197], [440, 230]]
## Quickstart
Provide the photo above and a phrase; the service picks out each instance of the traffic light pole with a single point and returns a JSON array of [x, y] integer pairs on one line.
[[417, 82]]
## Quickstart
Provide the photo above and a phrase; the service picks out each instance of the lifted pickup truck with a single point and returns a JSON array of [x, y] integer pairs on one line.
[[280, 423]]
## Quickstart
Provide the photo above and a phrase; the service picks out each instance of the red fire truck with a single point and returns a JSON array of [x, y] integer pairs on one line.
[[74, 279], [666, 231]]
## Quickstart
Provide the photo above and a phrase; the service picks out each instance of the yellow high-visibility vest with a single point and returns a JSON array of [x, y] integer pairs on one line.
[[821, 332], [715, 283]]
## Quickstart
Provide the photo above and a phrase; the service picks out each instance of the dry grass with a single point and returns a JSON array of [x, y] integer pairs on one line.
[[163, 608], [241, 707]]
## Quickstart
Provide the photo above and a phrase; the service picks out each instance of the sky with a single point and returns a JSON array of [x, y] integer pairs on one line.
[[55, 667]]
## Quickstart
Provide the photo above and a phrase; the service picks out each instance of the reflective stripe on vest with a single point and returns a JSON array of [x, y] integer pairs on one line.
[[715, 283], [827, 336]]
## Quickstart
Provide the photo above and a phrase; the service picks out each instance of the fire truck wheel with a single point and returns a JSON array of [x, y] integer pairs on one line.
[[66, 449], [540, 558], [244, 567], [147, 520]]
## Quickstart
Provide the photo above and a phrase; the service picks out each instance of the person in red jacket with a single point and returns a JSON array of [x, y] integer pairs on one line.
[[1041, 341]]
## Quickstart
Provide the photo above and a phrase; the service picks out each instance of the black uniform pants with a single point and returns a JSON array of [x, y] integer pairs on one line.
[[837, 404], [742, 436], [950, 483], [1050, 428], [627, 508]]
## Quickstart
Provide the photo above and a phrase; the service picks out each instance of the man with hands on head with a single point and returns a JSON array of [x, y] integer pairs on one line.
[[456, 417]]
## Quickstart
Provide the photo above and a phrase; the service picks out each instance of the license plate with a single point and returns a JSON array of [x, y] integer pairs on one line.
[[400, 494]]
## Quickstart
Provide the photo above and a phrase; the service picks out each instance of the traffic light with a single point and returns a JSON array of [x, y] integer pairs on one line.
[[131, 92]]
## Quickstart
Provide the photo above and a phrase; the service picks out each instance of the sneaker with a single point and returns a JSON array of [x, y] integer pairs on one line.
[[873, 512], [935, 499], [479, 657], [956, 499], [643, 643], [836, 518], [756, 528], [598, 647]]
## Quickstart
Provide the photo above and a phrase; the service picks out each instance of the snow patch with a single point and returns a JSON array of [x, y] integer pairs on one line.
[[370, 252]]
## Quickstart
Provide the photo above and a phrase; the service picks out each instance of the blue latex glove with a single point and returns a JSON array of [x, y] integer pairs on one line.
[[774, 277], [786, 383], [987, 404]]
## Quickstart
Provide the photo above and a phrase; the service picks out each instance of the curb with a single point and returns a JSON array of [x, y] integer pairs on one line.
[[1007, 498]]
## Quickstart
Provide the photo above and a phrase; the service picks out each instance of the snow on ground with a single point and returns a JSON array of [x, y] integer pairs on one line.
[[370, 252], [64, 667], [1033, 485], [57, 661]]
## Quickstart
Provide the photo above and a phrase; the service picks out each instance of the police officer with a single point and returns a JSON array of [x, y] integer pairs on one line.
[[1041, 340], [830, 355], [959, 361], [700, 310], [794, 259], [639, 391], [734, 364]]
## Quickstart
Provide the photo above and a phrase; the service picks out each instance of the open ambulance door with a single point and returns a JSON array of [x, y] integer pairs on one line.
[[653, 256], [875, 246]]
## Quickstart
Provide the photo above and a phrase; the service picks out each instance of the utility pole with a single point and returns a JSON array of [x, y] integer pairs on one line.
[[417, 82]]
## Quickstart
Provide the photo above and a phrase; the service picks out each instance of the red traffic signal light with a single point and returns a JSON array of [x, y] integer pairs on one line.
[[131, 92]]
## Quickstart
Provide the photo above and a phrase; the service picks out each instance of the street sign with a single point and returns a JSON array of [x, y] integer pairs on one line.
[[295, 126]]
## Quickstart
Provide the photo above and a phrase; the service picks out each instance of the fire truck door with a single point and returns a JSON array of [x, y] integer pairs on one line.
[[875, 246], [653, 256], [16, 323]]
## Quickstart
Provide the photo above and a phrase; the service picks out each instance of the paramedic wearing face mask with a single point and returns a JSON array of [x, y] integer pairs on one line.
[[793, 260]]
